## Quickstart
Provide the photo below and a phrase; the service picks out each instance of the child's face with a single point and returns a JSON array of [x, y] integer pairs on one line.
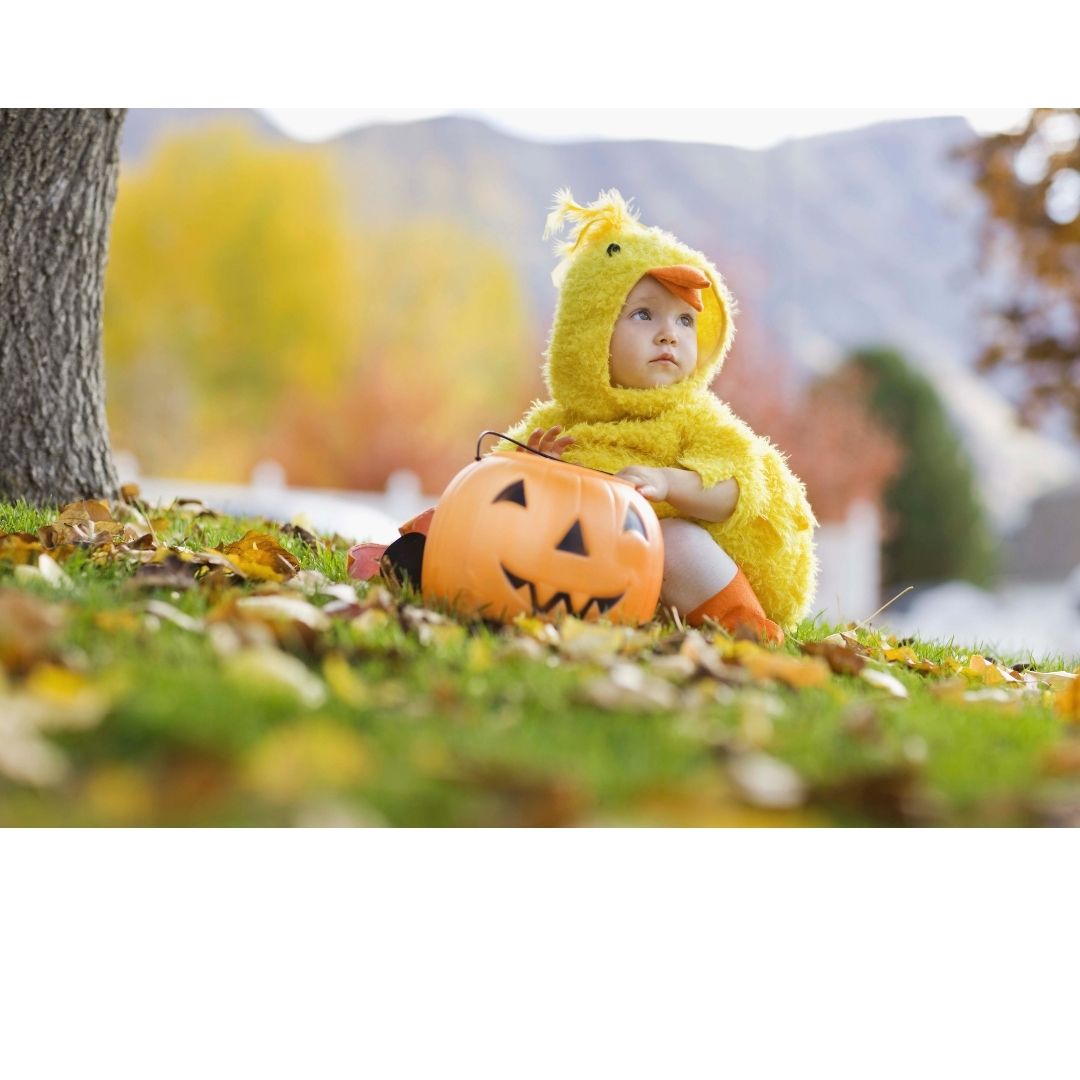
[[655, 338]]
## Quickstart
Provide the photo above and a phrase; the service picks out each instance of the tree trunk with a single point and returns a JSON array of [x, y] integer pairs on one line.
[[58, 171]]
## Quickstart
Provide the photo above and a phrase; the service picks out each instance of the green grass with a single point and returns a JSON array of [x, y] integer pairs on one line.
[[466, 730]]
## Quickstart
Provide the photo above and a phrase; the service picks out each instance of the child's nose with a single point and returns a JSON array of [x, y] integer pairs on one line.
[[667, 333]]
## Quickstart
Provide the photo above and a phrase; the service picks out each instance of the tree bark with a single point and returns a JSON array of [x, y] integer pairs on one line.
[[58, 170]]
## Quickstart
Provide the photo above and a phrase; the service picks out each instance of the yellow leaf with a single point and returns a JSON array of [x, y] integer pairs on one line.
[[978, 667], [1067, 702], [260, 557], [20, 549], [541, 631], [119, 794], [114, 620], [369, 621], [479, 657], [67, 698], [596, 643], [795, 672], [344, 682], [306, 757], [904, 655], [440, 635]]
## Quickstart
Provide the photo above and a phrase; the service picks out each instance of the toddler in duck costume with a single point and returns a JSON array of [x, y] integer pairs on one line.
[[642, 326]]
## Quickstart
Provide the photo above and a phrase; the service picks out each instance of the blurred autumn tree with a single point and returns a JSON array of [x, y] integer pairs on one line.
[[835, 444], [230, 280], [443, 354], [248, 317], [936, 526], [1031, 182]]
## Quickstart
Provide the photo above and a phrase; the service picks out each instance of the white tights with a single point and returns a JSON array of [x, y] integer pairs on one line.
[[696, 567]]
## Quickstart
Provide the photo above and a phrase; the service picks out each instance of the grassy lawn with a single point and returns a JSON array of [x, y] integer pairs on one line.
[[156, 668]]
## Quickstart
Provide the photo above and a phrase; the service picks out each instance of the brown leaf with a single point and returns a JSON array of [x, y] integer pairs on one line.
[[301, 534], [524, 799], [842, 659], [28, 627], [1063, 758], [167, 570]]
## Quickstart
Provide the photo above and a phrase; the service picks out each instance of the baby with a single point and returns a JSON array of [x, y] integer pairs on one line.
[[641, 329]]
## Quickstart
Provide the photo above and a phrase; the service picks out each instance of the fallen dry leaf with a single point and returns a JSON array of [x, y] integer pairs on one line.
[[25, 756], [166, 569], [882, 680], [1067, 701], [795, 672], [160, 610], [306, 757], [259, 557], [268, 669], [276, 607], [19, 549], [56, 698], [1056, 680], [766, 782], [841, 658], [28, 628], [344, 682], [627, 686]]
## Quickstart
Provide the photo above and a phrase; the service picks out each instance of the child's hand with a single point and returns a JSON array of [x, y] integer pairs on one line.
[[652, 483], [548, 442]]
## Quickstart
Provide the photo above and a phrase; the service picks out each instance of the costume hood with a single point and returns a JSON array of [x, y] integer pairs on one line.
[[607, 253]]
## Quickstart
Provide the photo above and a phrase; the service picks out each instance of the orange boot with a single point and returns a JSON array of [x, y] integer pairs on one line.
[[737, 609]]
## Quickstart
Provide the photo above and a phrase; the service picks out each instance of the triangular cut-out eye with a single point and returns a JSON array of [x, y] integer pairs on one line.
[[515, 493], [634, 522], [573, 541]]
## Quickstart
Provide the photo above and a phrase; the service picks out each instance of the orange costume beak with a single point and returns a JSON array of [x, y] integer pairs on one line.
[[684, 281]]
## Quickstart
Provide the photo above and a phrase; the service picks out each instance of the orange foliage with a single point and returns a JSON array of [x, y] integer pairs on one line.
[[442, 355]]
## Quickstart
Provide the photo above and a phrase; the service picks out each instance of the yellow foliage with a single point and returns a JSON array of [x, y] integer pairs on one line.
[[247, 316], [229, 279], [442, 354]]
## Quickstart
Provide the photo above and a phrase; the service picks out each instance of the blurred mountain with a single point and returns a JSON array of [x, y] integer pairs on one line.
[[856, 238], [144, 126]]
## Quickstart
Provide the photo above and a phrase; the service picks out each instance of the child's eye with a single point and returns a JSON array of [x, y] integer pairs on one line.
[[644, 312], [686, 320]]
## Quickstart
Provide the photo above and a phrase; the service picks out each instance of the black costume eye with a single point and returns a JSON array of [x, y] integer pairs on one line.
[[515, 493], [634, 523], [613, 249]]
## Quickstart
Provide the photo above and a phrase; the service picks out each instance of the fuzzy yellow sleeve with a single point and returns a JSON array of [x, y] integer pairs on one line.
[[770, 534], [718, 446]]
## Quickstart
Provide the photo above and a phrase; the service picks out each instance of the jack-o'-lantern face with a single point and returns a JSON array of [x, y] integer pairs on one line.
[[515, 533]]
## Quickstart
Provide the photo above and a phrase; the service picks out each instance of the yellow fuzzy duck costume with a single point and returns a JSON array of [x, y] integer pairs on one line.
[[770, 534]]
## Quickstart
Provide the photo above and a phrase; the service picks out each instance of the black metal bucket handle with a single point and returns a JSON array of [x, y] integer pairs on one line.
[[538, 453]]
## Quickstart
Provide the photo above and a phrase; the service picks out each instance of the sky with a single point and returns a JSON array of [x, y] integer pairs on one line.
[[750, 128]]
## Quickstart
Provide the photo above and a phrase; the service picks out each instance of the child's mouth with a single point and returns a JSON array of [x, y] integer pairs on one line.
[[665, 359]]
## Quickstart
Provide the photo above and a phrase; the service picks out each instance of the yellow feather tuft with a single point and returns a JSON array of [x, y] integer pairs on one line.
[[610, 213]]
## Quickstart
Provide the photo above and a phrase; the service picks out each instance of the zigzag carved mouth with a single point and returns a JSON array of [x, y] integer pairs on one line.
[[603, 603]]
